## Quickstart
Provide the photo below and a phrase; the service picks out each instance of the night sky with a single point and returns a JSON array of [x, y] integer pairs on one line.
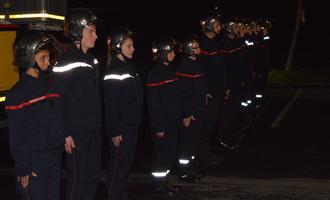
[[179, 17]]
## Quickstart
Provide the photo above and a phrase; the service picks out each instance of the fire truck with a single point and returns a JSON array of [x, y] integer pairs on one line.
[[18, 15]]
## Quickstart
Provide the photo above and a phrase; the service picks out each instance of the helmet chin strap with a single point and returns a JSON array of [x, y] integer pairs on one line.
[[42, 73], [77, 43], [163, 60], [126, 59], [80, 47]]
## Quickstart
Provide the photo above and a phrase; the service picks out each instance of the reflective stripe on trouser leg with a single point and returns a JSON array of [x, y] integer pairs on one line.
[[160, 174]]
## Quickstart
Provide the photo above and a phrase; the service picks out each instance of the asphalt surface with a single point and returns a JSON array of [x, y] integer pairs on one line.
[[285, 154]]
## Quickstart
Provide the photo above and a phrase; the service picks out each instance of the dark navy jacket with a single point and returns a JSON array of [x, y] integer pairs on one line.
[[236, 61], [123, 98], [76, 76], [263, 55], [192, 88], [163, 97], [35, 122], [213, 65]]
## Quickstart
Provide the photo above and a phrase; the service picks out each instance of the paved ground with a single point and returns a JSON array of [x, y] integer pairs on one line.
[[285, 156]]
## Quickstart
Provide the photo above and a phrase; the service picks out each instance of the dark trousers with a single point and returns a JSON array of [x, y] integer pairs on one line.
[[231, 116], [46, 185], [211, 123], [261, 84], [210, 132], [188, 138], [214, 112], [120, 162], [83, 167], [164, 154]]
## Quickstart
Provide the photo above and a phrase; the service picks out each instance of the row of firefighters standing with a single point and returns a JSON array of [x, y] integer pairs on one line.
[[60, 103]]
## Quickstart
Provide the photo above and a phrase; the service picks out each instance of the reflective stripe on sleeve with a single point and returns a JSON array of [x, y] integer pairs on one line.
[[189, 75], [71, 66], [161, 83], [32, 101], [117, 76]]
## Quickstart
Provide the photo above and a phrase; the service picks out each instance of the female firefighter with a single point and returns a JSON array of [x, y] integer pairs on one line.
[[123, 109]]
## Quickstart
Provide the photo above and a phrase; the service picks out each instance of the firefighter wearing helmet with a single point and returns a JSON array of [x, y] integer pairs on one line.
[[35, 122], [193, 91], [211, 24], [77, 77], [164, 111], [215, 76], [123, 109]]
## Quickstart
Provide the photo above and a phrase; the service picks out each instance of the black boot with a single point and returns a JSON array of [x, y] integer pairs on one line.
[[189, 178]]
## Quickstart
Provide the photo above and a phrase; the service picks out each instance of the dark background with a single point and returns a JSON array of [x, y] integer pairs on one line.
[[150, 19]]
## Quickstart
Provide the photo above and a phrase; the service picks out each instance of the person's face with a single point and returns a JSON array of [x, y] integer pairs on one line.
[[42, 59], [89, 37], [170, 56], [246, 30], [216, 27], [195, 47], [265, 31], [236, 29], [242, 31], [127, 48], [259, 28]]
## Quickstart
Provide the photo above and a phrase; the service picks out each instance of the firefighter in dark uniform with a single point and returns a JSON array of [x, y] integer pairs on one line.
[[251, 48], [123, 109], [263, 62], [192, 91], [36, 129], [76, 76], [215, 76], [247, 69], [236, 65], [164, 111]]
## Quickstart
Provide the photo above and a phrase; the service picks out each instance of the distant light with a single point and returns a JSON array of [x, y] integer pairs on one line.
[[258, 96], [249, 101], [154, 50], [36, 15], [2, 16], [266, 38], [2, 99]]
